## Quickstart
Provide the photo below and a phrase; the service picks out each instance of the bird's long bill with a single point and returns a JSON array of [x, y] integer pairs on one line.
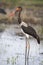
[[13, 13]]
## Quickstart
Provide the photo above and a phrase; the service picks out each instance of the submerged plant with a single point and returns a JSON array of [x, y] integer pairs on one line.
[[8, 60], [13, 60]]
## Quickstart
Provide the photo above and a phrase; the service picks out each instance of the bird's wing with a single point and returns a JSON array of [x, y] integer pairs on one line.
[[2, 11], [31, 31]]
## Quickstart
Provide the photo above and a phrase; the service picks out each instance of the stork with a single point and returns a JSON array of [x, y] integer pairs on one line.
[[27, 30]]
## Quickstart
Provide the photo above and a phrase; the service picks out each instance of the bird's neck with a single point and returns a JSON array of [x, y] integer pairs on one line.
[[19, 18], [19, 14], [20, 21]]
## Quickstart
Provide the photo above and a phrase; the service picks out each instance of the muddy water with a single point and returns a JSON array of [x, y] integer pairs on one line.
[[12, 48]]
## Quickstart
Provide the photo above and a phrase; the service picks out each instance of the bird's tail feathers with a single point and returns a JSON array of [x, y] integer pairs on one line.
[[38, 39]]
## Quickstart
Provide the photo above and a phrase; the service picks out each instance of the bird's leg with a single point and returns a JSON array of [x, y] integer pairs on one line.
[[26, 53], [28, 48]]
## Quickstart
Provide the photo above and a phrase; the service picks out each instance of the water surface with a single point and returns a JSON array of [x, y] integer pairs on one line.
[[12, 49]]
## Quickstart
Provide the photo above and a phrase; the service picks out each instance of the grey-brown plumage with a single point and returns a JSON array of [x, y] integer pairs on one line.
[[30, 31]]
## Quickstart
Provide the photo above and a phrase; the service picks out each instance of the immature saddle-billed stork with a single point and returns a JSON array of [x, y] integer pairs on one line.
[[27, 30]]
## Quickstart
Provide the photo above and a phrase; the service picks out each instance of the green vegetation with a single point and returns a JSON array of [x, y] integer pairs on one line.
[[17, 2]]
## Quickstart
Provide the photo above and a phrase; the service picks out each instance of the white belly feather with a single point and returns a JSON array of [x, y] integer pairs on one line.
[[24, 24]]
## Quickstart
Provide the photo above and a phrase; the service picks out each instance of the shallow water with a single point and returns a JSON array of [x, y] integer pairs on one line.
[[12, 49]]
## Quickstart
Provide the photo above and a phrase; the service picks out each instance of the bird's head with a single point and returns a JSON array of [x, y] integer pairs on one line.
[[18, 9]]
